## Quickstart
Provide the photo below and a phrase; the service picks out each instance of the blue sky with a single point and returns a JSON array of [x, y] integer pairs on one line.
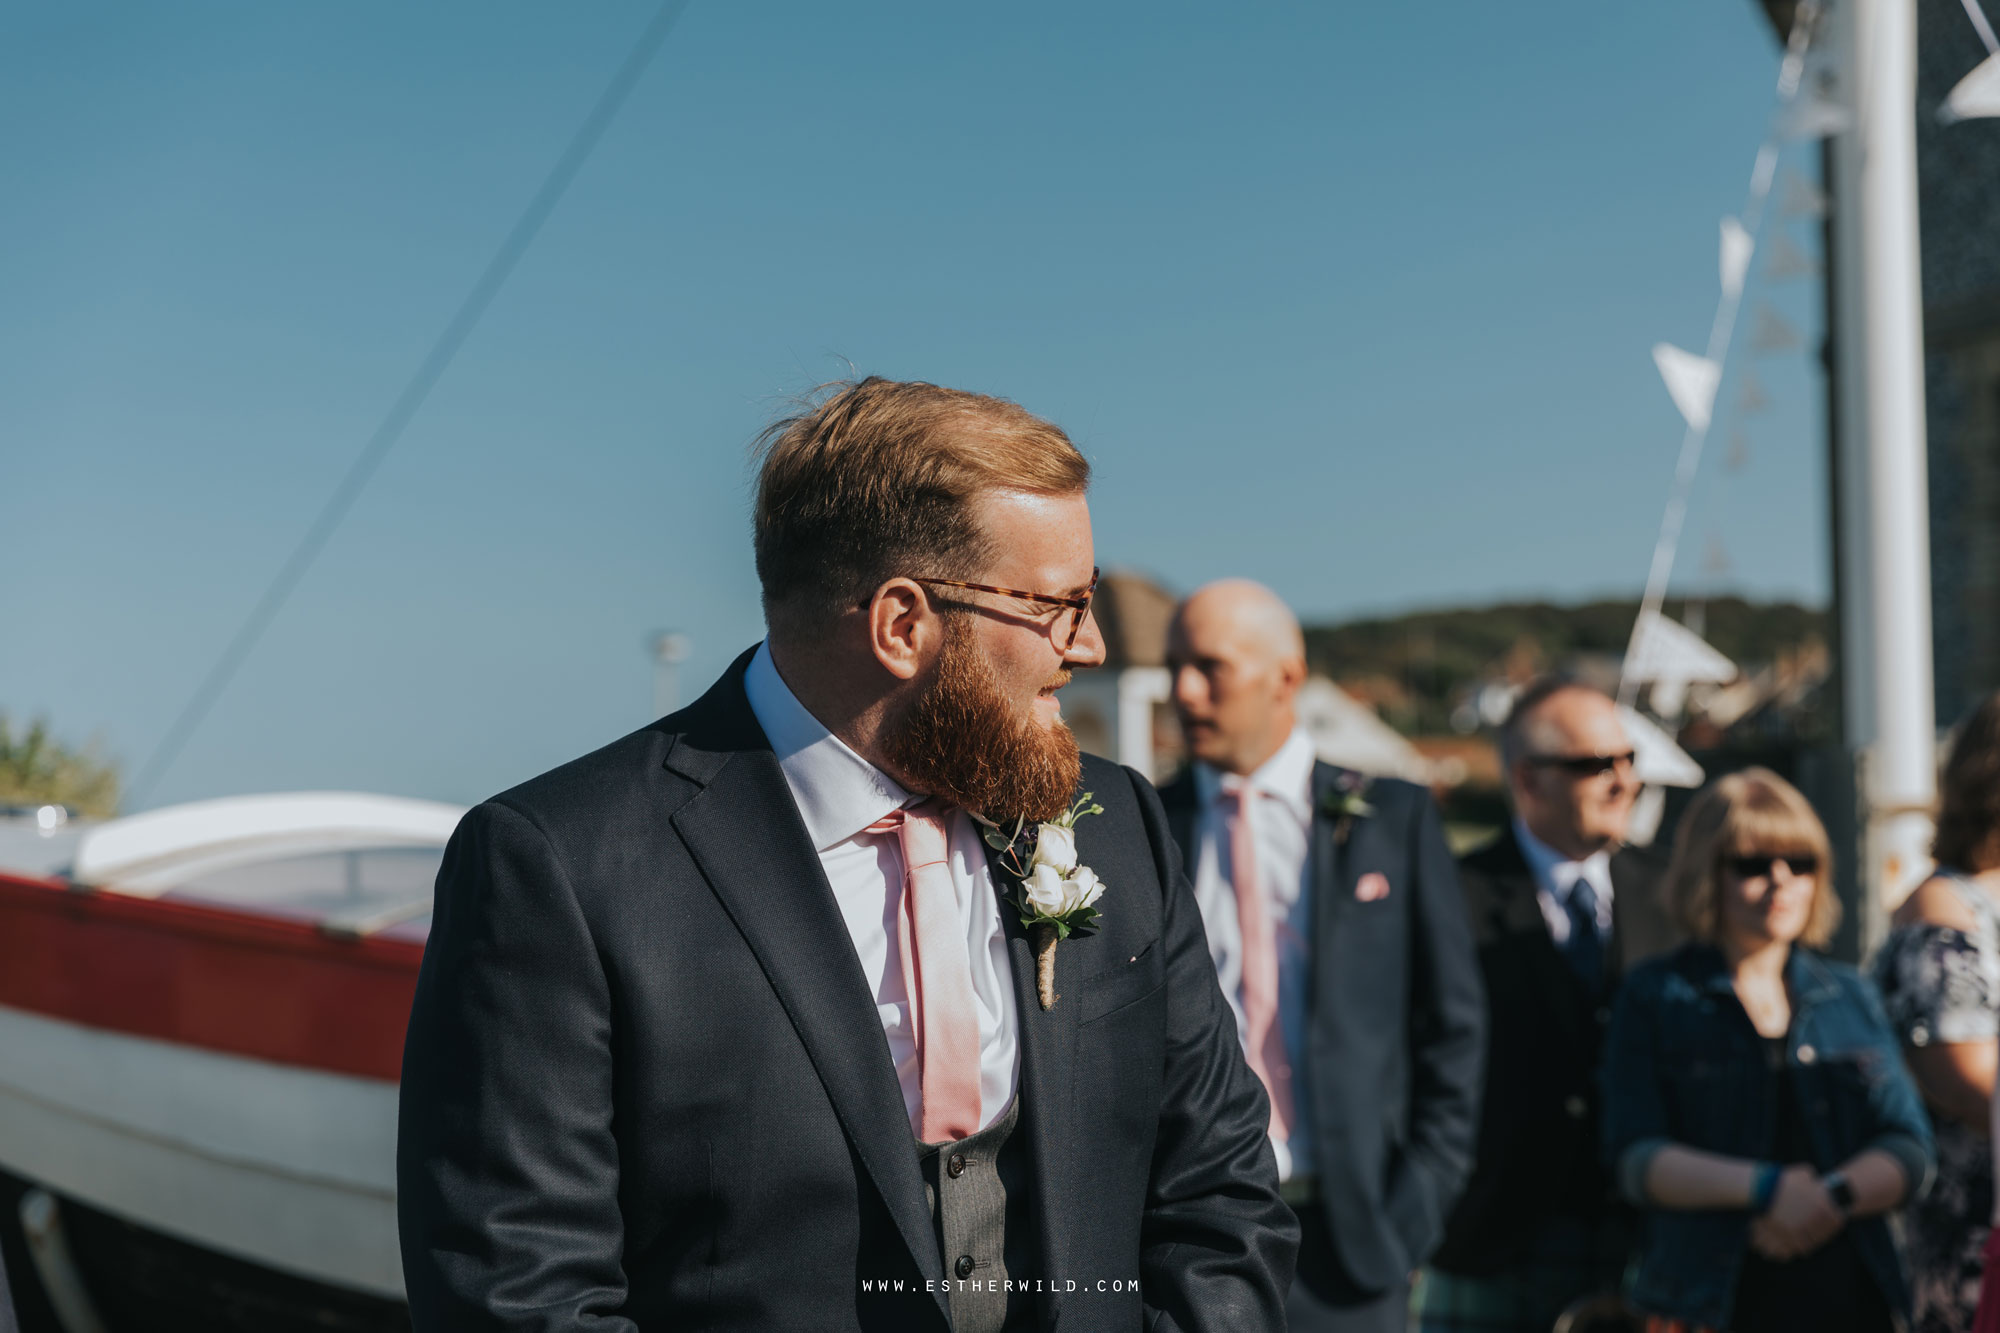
[[1356, 300]]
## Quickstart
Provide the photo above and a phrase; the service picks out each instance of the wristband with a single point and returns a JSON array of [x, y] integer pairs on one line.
[[1764, 1188]]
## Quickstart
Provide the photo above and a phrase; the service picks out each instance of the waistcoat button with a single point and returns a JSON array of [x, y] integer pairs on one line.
[[1577, 1107], [1807, 1055], [956, 1166], [964, 1266]]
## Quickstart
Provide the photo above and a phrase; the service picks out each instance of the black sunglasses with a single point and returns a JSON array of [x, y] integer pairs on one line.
[[1750, 867], [1583, 765]]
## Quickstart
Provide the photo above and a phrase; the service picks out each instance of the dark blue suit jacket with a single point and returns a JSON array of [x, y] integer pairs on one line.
[[1396, 1038], [645, 1085]]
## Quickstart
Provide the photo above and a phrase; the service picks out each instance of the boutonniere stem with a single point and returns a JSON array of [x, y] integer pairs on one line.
[[1056, 894], [1347, 801]]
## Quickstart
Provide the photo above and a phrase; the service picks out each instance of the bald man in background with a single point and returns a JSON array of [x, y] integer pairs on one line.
[[1336, 923]]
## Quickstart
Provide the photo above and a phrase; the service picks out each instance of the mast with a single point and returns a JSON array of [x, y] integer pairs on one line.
[[1882, 493]]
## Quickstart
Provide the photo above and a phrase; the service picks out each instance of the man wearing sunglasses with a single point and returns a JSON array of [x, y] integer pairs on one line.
[[1560, 909], [735, 1023]]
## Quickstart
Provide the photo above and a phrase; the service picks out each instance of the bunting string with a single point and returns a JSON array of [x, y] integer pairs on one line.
[[1692, 380]]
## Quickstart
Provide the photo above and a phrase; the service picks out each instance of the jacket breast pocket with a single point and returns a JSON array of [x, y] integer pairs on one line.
[[1117, 987]]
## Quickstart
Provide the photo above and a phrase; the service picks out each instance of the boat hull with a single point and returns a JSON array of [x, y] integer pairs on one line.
[[206, 1087]]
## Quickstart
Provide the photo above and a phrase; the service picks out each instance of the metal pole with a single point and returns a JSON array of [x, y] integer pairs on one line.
[[669, 650], [1884, 543]]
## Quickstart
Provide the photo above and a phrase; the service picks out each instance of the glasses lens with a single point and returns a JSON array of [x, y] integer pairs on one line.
[[1750, 867]]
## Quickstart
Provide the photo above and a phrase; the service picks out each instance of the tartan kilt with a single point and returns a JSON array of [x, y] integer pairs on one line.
[[1568, 1261]]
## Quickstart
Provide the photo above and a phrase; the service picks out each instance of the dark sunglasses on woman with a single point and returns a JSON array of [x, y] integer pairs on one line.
[[1750, 867]]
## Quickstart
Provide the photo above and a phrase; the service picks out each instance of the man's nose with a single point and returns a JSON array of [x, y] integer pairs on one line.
[[1189, 686], [1088, 650]]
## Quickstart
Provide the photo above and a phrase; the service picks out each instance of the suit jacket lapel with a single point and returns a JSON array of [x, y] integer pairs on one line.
[[744, 831], [1329, 869], [1048, 1067]]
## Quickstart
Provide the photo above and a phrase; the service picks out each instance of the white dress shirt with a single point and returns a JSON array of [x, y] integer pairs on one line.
[[1279, 803], [1556, 876], [840, 794]]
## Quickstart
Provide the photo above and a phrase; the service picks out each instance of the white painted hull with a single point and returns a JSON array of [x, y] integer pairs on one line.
[[289, 1168]]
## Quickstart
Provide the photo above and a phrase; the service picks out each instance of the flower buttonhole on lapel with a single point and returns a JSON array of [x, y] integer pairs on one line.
[[1055, 893], [1372, 887], [1347, 801]]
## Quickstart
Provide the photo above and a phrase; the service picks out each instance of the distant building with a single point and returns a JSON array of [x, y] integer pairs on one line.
[[1121, 710], [1958, 204]]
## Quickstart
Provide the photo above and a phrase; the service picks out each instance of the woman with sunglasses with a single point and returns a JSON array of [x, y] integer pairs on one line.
[[1939, 971], [1756, 1104]]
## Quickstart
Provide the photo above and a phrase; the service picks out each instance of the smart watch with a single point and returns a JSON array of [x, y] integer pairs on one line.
[[1840, 1190]]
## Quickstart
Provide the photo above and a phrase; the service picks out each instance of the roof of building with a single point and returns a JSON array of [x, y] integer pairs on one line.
[[1133, 613]]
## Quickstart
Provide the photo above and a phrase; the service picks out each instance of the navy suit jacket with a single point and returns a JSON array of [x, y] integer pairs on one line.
[[1396, 1034], [1538, 1154], [646, 1087]]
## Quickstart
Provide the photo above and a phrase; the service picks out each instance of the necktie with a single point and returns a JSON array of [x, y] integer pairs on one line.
[[1264, 1040], [1586, 950], [937, 976]]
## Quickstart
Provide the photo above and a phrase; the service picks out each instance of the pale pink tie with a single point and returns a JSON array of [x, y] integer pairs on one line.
[[1264, 1040], [937, 975]]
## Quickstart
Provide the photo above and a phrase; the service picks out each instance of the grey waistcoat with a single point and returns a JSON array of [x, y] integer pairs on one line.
[[978, 1193]]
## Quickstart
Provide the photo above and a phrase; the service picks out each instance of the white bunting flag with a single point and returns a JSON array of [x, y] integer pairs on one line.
[[1737, 247], [1976, 95], [1813, 117], [1691, 381], [1750, 399], [1803, 199], [1788, 261], [1772, 333]]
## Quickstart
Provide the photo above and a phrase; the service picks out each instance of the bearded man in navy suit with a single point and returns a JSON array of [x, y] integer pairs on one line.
[[1337, 927], [746, 1022]]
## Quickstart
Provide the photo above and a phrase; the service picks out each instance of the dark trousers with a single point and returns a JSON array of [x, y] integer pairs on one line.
[[1323, 1299]]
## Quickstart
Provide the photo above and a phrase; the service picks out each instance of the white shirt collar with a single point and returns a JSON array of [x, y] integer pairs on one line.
[[1286, 775], [837, 791], [1556, 873]]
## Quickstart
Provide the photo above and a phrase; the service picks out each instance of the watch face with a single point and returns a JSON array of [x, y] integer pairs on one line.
[[1840, 1191]]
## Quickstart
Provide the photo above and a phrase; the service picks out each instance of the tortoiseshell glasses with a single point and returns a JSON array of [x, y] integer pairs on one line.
[[1079, 607]]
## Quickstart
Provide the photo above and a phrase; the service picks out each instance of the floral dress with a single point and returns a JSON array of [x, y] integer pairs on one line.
[[1943, 985]]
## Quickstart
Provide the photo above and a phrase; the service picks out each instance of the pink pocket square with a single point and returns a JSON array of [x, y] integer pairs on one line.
[[1371, 887]]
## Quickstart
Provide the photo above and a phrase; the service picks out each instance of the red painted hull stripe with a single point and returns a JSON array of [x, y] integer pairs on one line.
[[205, 976]]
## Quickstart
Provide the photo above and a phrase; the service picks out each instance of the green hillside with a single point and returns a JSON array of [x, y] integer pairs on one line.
[[1416, 667]]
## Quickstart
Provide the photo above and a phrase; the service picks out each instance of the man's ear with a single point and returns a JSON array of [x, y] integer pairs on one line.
[[1520, 776], [903, 627], [1291, 677]]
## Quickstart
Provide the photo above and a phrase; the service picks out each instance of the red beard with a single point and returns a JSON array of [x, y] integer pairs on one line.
[[963, 742]]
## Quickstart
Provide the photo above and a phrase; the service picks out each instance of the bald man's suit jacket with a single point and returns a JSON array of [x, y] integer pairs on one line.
[[1396, 1022], [646, 1086]]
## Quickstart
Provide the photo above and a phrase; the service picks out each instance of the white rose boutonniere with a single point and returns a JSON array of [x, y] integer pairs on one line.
[[1058, 895], [1347, 802]]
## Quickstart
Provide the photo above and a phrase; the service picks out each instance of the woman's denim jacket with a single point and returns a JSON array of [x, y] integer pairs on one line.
[[1683, 1064]]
